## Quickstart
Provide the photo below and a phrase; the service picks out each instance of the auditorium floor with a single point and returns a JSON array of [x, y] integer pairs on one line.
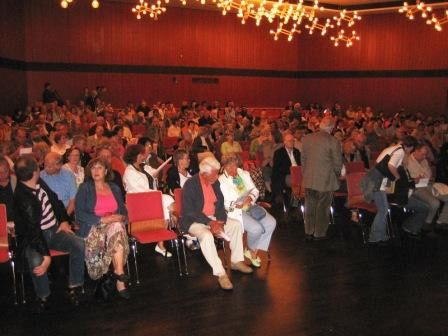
[[335, 287]]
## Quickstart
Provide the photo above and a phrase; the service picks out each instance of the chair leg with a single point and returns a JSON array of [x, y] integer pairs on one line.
[[134, 250], [224, 252], [331, 214], [129, 272], [185, 255], [363, 231], [176, 243], [22, 279], [13, 269]]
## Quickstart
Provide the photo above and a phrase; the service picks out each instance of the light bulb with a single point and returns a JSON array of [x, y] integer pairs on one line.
[[95, 4], [64, 4]]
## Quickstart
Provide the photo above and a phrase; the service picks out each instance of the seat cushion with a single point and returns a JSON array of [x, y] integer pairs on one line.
[[56, 253], [364, 206], [4, 254], [146, 237]]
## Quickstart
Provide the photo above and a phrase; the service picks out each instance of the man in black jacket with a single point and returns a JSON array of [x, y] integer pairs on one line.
[[204, 216], [284, 158], [41, 224]]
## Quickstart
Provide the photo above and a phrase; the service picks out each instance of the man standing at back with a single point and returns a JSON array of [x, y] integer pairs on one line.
[[321, 165]]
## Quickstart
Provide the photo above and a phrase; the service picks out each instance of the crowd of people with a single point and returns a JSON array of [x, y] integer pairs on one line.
[[65, 169]]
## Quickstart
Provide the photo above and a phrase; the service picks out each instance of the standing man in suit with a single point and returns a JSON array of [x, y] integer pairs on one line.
[[321, 167], [284, 158]]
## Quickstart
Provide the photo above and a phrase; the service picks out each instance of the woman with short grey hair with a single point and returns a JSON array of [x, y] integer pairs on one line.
[[240, 195]]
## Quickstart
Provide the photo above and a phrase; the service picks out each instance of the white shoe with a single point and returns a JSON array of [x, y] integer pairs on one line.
[[165, 253]]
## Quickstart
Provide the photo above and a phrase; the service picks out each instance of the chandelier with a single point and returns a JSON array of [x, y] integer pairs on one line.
[[288, 18], [425, 10]]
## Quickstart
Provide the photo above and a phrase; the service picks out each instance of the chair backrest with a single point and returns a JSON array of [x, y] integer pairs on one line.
[[4, 248], [245, 155], [354, 167], [245, 145], [145, 211], [248, 165], [165, 171], [170, 142], [296, 176], [178, 200], [353, 188]]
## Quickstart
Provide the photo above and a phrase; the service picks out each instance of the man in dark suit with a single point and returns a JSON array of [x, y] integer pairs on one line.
[[284, 158], [204, 216]]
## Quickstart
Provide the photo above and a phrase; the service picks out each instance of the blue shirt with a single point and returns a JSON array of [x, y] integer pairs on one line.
[[63, 184]]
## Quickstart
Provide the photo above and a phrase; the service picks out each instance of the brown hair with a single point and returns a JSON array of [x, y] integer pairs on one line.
[[88, 171]]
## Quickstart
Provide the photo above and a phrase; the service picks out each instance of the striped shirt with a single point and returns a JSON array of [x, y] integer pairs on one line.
[[48, 219]]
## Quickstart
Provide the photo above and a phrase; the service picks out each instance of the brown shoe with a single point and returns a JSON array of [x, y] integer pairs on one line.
[[242, 267], [224, 282]]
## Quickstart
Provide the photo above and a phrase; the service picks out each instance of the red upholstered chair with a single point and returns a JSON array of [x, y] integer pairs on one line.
[[356, 201], [168, 145], [245, 145], [245, 155], [298, 190], [6, 256], [147, 223], [354, 167]]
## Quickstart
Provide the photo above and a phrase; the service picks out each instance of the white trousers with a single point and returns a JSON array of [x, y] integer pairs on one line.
[[233, 229]]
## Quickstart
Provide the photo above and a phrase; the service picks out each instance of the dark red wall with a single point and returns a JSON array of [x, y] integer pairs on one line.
[[194, 38]]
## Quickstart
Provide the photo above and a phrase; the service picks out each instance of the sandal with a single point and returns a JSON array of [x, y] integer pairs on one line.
[[256, 262]]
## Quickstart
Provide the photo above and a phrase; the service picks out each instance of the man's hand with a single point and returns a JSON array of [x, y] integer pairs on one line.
[[42, 268], [216, 227], [65, 227]]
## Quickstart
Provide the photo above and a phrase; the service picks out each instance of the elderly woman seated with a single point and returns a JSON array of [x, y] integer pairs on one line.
[[101, 213], [240, 195]]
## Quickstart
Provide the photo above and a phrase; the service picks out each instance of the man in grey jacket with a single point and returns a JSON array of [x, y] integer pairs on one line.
[[321, 165]]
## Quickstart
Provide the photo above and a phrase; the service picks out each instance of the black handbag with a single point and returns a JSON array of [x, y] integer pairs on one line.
[[383, 167]]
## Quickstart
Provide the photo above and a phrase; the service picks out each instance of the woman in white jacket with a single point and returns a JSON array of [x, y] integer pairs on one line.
[[236, 183], [137, 179]]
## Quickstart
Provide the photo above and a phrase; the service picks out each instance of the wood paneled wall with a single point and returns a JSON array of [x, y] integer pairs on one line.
[[39, 31]]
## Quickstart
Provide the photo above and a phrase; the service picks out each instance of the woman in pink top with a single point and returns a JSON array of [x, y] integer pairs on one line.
[[102, 215]]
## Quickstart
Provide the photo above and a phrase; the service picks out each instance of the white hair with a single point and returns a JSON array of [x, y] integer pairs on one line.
[[327, 124], [208, 164]]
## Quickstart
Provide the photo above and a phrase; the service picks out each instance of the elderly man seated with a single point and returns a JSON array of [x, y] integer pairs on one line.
[[419, 169], [204, 216], [60, 180]]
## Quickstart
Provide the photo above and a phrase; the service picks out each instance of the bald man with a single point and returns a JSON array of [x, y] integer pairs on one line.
[[60, 180], [284, 158]]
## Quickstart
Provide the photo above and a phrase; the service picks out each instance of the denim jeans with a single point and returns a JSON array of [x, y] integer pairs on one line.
[[420, 209], [378, 231], [60, 241]]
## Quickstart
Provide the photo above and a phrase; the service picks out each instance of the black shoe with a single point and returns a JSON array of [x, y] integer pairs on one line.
[[323, 238], [124, 293], [381, 243], [75, 294], [40, 306], [309, 238]]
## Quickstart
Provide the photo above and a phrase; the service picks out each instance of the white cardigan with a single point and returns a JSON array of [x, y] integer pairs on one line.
[[228, 189]]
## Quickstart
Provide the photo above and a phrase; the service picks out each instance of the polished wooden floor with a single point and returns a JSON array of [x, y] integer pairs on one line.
[[337, 287]]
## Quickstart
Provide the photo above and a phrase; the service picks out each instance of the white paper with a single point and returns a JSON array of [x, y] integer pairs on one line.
[[423, 182], [242, 198], [155, 172]]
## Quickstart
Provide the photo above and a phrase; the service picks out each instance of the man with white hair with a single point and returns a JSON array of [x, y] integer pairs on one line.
[[204, 216], [321, 168]]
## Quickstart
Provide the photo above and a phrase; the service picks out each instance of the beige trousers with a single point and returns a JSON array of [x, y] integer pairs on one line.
[[233, 229]]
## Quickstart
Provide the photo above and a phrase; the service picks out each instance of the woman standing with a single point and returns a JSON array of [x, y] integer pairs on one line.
[[102, 215], [259, 224], [73, 158]]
